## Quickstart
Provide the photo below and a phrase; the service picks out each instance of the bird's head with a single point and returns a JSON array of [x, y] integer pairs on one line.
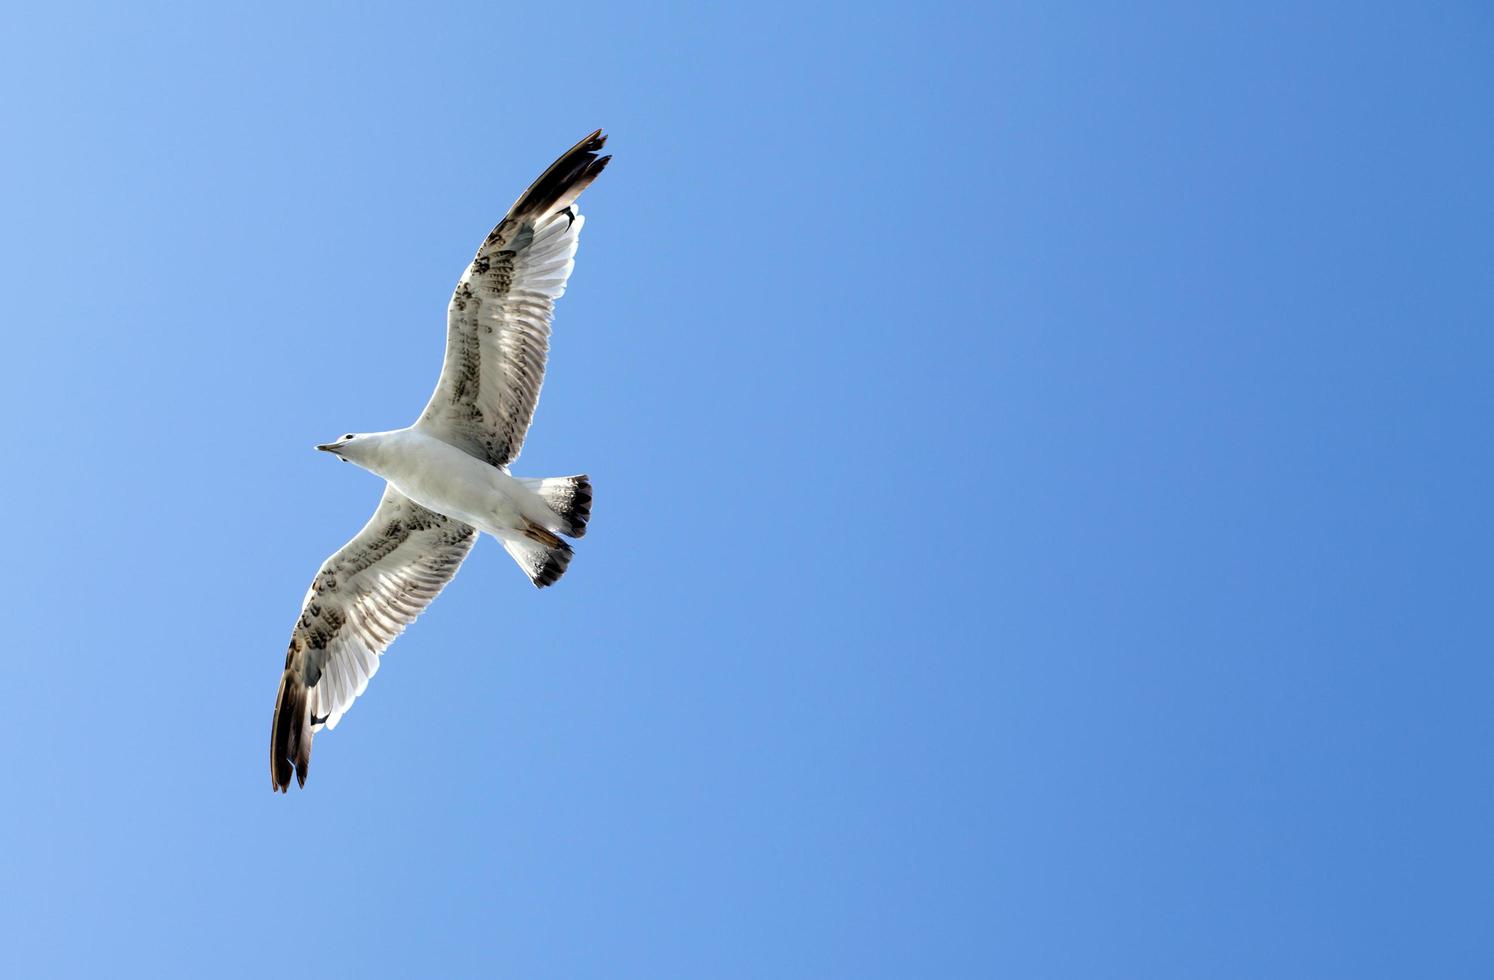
[[345, 448]]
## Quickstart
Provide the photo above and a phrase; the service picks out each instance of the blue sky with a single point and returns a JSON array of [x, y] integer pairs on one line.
[[1042, 470]]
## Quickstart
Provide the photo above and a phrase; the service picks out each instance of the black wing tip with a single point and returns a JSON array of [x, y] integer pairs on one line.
[[290, 735], [564, 180]]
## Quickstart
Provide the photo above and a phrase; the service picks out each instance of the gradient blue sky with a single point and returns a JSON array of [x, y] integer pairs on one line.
[[1043, 492]]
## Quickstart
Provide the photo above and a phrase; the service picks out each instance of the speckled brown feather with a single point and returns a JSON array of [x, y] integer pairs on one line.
[[498, 321], [412, 553]]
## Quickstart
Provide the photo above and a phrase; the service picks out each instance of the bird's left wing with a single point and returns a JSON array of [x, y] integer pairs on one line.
[[498, 322], [361, 599]]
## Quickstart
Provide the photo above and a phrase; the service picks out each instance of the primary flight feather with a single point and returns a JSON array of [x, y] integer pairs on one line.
[[447, 473]]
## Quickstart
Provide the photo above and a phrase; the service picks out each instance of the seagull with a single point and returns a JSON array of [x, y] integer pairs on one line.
[[447, 474]]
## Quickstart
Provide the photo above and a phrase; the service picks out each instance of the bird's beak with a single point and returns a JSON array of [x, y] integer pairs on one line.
[[330, 448]]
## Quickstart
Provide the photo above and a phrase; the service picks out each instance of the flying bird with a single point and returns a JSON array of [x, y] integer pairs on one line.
[[447, 473]]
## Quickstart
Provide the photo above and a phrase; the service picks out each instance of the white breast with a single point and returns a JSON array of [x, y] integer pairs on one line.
[[449, 481]]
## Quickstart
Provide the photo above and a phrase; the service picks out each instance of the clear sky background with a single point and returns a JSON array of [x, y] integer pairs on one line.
[[1043, 515]]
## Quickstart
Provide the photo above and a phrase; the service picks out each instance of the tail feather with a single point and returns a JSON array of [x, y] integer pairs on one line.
[[290, 733], [543, 555], [569, 497], [563, 182]]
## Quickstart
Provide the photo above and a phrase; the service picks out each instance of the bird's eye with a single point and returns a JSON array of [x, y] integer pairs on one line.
[[348, 436]]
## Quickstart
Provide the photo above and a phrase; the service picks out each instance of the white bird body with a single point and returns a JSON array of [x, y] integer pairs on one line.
[[443, 478]]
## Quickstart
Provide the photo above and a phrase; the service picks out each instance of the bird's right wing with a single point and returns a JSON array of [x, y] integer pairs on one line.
[[361, 599]]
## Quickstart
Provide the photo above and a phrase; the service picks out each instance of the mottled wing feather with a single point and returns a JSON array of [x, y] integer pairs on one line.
[[361, 599], [498, 321]]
